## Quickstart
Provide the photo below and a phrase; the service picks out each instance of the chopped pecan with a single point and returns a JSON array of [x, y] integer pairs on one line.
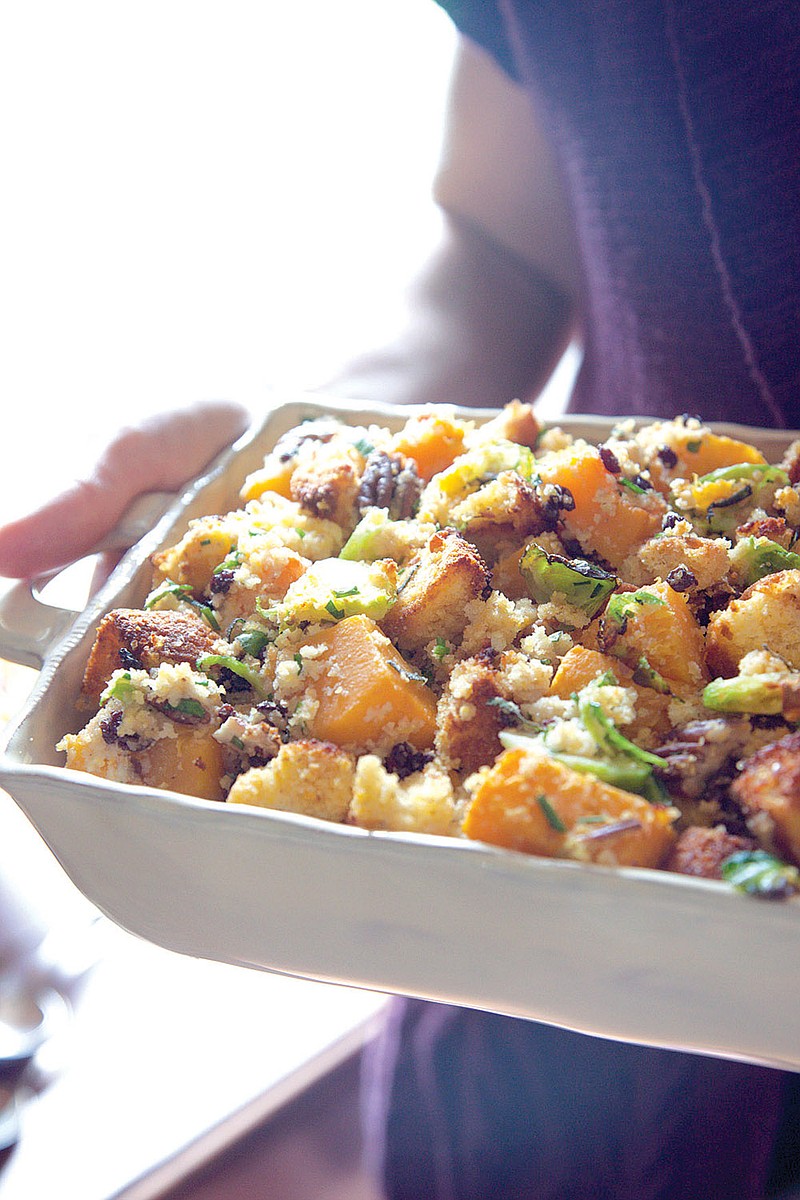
[[389, 482], [702, 755]]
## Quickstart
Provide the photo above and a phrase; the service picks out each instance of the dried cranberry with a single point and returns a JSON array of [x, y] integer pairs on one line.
[[680, 579], [609, 460]]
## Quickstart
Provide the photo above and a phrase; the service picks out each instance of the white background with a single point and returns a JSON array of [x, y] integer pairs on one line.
[[200, 200]]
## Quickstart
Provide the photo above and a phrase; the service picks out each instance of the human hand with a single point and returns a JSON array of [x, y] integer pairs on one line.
[[159, 454]]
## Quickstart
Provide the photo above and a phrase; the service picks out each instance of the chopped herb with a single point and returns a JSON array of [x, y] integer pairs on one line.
[[233, 664], [631, 486], [607, 679], [206, 542], [237, 742], [364, 447], [253, 641], [647, 676], [298, 658], [190, 708], [353, 591], [208, 614], [508, 708], [301, 533], [336, 613], [167, 588], [408, 575], [694, 446], [230, 563], [121, 689], [441, 649], [608, 737], [552, 817], [413, 676]]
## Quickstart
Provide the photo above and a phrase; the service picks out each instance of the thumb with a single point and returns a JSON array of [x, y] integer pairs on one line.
[[160, 454]]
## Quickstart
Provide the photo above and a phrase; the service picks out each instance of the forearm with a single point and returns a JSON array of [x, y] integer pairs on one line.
[[483, 327]]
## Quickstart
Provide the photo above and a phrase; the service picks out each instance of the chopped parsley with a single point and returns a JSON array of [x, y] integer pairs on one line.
[[551, 816]]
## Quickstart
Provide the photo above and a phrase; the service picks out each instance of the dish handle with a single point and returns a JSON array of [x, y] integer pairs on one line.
[[31, 626]]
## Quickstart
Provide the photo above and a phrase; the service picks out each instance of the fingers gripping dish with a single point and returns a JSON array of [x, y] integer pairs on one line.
[[491, 631]]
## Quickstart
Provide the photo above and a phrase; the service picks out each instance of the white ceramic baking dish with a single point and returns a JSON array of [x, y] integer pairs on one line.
[[635, 955]]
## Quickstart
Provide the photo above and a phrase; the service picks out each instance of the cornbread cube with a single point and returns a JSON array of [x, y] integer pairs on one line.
[[191, 561], [768, 789], [309, 776], [130, 636], [766, 616], [434, 590], [469, 719]]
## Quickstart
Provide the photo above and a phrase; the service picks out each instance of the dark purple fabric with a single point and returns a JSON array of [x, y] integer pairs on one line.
[[677, 126], [463, 1105]]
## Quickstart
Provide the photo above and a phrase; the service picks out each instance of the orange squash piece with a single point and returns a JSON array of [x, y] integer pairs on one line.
[[668, 636], [432, 441], [712, 451], [700, 452], [274, 476], [580, 665], [535, 804], [366, 690], [608, 518], [190, 763], [277, 569]]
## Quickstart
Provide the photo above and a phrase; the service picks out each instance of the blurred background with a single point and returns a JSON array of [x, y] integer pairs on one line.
[[199, 201]]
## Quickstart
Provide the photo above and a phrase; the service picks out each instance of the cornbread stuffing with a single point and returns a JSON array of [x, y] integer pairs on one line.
[[483, 630]]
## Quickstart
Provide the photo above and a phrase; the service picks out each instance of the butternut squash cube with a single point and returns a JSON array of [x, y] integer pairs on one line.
[[608, 518], [367, 695], [581, 665], [190, 763], [433, 441], [661, 628], [533, 803]]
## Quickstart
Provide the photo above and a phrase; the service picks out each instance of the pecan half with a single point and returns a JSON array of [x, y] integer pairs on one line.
[[389, 482]]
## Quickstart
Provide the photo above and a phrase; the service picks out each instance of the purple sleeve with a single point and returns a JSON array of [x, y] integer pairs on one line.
[[677, 130], [463, 1105]]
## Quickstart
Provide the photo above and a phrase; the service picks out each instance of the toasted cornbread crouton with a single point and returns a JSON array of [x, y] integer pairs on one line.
[[768, 790], [423, 803], [310, 777], [701, 851], [434, 590], [192, 561], [516, 422], [154, 727], [325, 482], [470, 716], [129, 637], [775, 529], [506, 507], [706, 559], [88, 751], [766, 616]]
